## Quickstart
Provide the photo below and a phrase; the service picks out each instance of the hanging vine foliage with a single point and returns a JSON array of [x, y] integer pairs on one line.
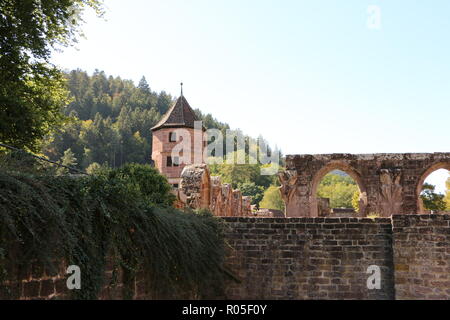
[[119, 214]]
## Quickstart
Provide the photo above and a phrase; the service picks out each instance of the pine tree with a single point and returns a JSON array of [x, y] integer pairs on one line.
[[69, 160], [143, 85], [164, 102]]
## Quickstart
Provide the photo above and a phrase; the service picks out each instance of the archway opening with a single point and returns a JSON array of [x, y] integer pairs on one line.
[[338, 194], [434, 190], [346, 173]]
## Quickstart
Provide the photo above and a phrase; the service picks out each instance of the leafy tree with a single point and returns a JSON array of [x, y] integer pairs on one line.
[[210, 122], [340, 189], [69, 160], [447, 194], [32, 91], [272, 199], [252, 190], [146, 181], [246, 177], [93, 168], [355, 200], [237, 174], [431, 200]]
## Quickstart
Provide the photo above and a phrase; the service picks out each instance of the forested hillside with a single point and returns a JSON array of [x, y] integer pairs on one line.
[[110, 121]]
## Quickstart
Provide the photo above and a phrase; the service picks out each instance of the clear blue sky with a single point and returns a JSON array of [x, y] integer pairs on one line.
[[310, 76]]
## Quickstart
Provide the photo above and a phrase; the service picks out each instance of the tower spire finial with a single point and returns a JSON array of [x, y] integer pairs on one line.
[[181, 84]]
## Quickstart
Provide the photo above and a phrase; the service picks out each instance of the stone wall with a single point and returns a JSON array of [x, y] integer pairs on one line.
[[389, 183], [422, 256], [308, 258], [199, 190], [304, 258], [327, 258], [36, 283]]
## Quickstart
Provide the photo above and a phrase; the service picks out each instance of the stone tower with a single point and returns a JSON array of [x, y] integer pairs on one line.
[[167, 135]]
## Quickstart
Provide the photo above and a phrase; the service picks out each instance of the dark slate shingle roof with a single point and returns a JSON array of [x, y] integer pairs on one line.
[[179, 115]]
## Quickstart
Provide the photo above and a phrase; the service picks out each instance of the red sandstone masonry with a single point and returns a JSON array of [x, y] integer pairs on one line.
[[35, 283], [422, 256], [306, 258], [390, 183]]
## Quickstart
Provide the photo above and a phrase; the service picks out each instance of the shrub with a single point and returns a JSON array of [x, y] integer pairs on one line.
[[119, 214], [145, 180]]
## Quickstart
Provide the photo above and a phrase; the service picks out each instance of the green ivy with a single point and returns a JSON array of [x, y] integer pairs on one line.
[[85, 220]]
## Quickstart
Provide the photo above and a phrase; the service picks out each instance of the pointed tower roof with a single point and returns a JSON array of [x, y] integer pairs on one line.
[[179, 115]]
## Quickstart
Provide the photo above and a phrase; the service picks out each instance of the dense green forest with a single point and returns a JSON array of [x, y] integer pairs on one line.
[[109, 121]]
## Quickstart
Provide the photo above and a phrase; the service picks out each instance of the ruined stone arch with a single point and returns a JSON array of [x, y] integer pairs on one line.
[[424, 175], [327, 168], [390, 182]]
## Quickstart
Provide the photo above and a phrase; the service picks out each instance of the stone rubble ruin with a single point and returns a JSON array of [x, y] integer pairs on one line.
[[199, 190]]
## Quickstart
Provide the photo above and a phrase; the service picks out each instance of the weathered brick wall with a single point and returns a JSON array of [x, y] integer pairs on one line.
[[37, 283], [422, 256], [308, 258], [304, 258], [162, 148]]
